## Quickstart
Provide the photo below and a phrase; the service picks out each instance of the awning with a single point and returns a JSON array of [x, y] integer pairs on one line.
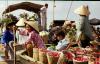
[[24, 5]]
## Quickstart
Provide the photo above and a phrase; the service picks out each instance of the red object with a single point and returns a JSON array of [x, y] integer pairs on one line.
[[81, 59], [97, 61], [69, 55]]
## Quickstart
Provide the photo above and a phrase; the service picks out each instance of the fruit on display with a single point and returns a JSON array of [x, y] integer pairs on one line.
[[97, 61], [69, 55], [80, 60], [53, 57]]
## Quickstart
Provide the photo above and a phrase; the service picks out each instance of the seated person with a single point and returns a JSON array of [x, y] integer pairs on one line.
[[63, 43]]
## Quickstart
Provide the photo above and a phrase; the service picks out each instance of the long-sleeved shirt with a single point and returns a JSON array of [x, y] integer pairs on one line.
[[21, 39], [62, 44], [84, 27], [7, 36], [33, 37]]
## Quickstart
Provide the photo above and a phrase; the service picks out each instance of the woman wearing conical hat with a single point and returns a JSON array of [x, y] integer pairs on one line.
[[84, 30], [21, 25], [33, 40]]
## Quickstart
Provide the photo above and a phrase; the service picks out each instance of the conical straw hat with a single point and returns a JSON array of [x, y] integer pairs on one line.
[[33, 24], [82, 10], [21, 22]]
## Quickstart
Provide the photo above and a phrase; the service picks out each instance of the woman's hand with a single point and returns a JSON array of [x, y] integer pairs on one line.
[[28, 44]]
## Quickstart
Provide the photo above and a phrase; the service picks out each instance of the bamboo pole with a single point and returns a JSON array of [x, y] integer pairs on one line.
[[53, 9], [14, 44]]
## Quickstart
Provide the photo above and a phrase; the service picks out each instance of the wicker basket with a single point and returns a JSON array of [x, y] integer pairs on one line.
[[36, 54], [43, 56], [52, 59]]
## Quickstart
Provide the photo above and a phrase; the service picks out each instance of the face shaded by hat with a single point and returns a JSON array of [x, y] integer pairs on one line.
[[82, 10], [33, 24]]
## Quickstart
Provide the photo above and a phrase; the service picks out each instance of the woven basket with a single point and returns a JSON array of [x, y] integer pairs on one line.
[[43, 56], [36, 54], [52, 59]]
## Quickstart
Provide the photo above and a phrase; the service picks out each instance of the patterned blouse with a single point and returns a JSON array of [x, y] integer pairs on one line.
[[33, 38]]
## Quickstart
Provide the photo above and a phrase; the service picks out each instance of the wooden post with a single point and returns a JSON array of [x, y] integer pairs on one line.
[[14, 44], [53, 9]]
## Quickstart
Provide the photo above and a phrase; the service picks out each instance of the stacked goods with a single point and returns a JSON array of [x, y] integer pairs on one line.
[[69, 55], [96, 54], [43, 56], [80, 60], [53, 57], [36, 54], [79, 51], [97, 61], [44, 35]]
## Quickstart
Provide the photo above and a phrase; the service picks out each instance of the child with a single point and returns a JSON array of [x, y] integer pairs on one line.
[[6, 39], [63, 43]]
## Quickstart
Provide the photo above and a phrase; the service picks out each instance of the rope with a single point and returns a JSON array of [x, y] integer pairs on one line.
[[92, 11], [69, 9]]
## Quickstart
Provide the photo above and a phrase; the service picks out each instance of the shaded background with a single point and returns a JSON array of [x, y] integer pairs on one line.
[[60, 11]]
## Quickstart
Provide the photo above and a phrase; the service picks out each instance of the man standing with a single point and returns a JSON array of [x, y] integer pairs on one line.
[[84, 29], [43, 15]]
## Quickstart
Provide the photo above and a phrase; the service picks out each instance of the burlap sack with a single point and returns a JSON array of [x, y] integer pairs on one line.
[[43, 56], [36, 54]]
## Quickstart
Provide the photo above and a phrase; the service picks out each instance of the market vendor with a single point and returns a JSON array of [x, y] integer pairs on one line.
[[84, 29], [33, 40], [63, 42]]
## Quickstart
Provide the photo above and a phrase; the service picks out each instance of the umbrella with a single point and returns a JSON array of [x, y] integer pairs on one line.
[[24, 5], [95, 21]]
